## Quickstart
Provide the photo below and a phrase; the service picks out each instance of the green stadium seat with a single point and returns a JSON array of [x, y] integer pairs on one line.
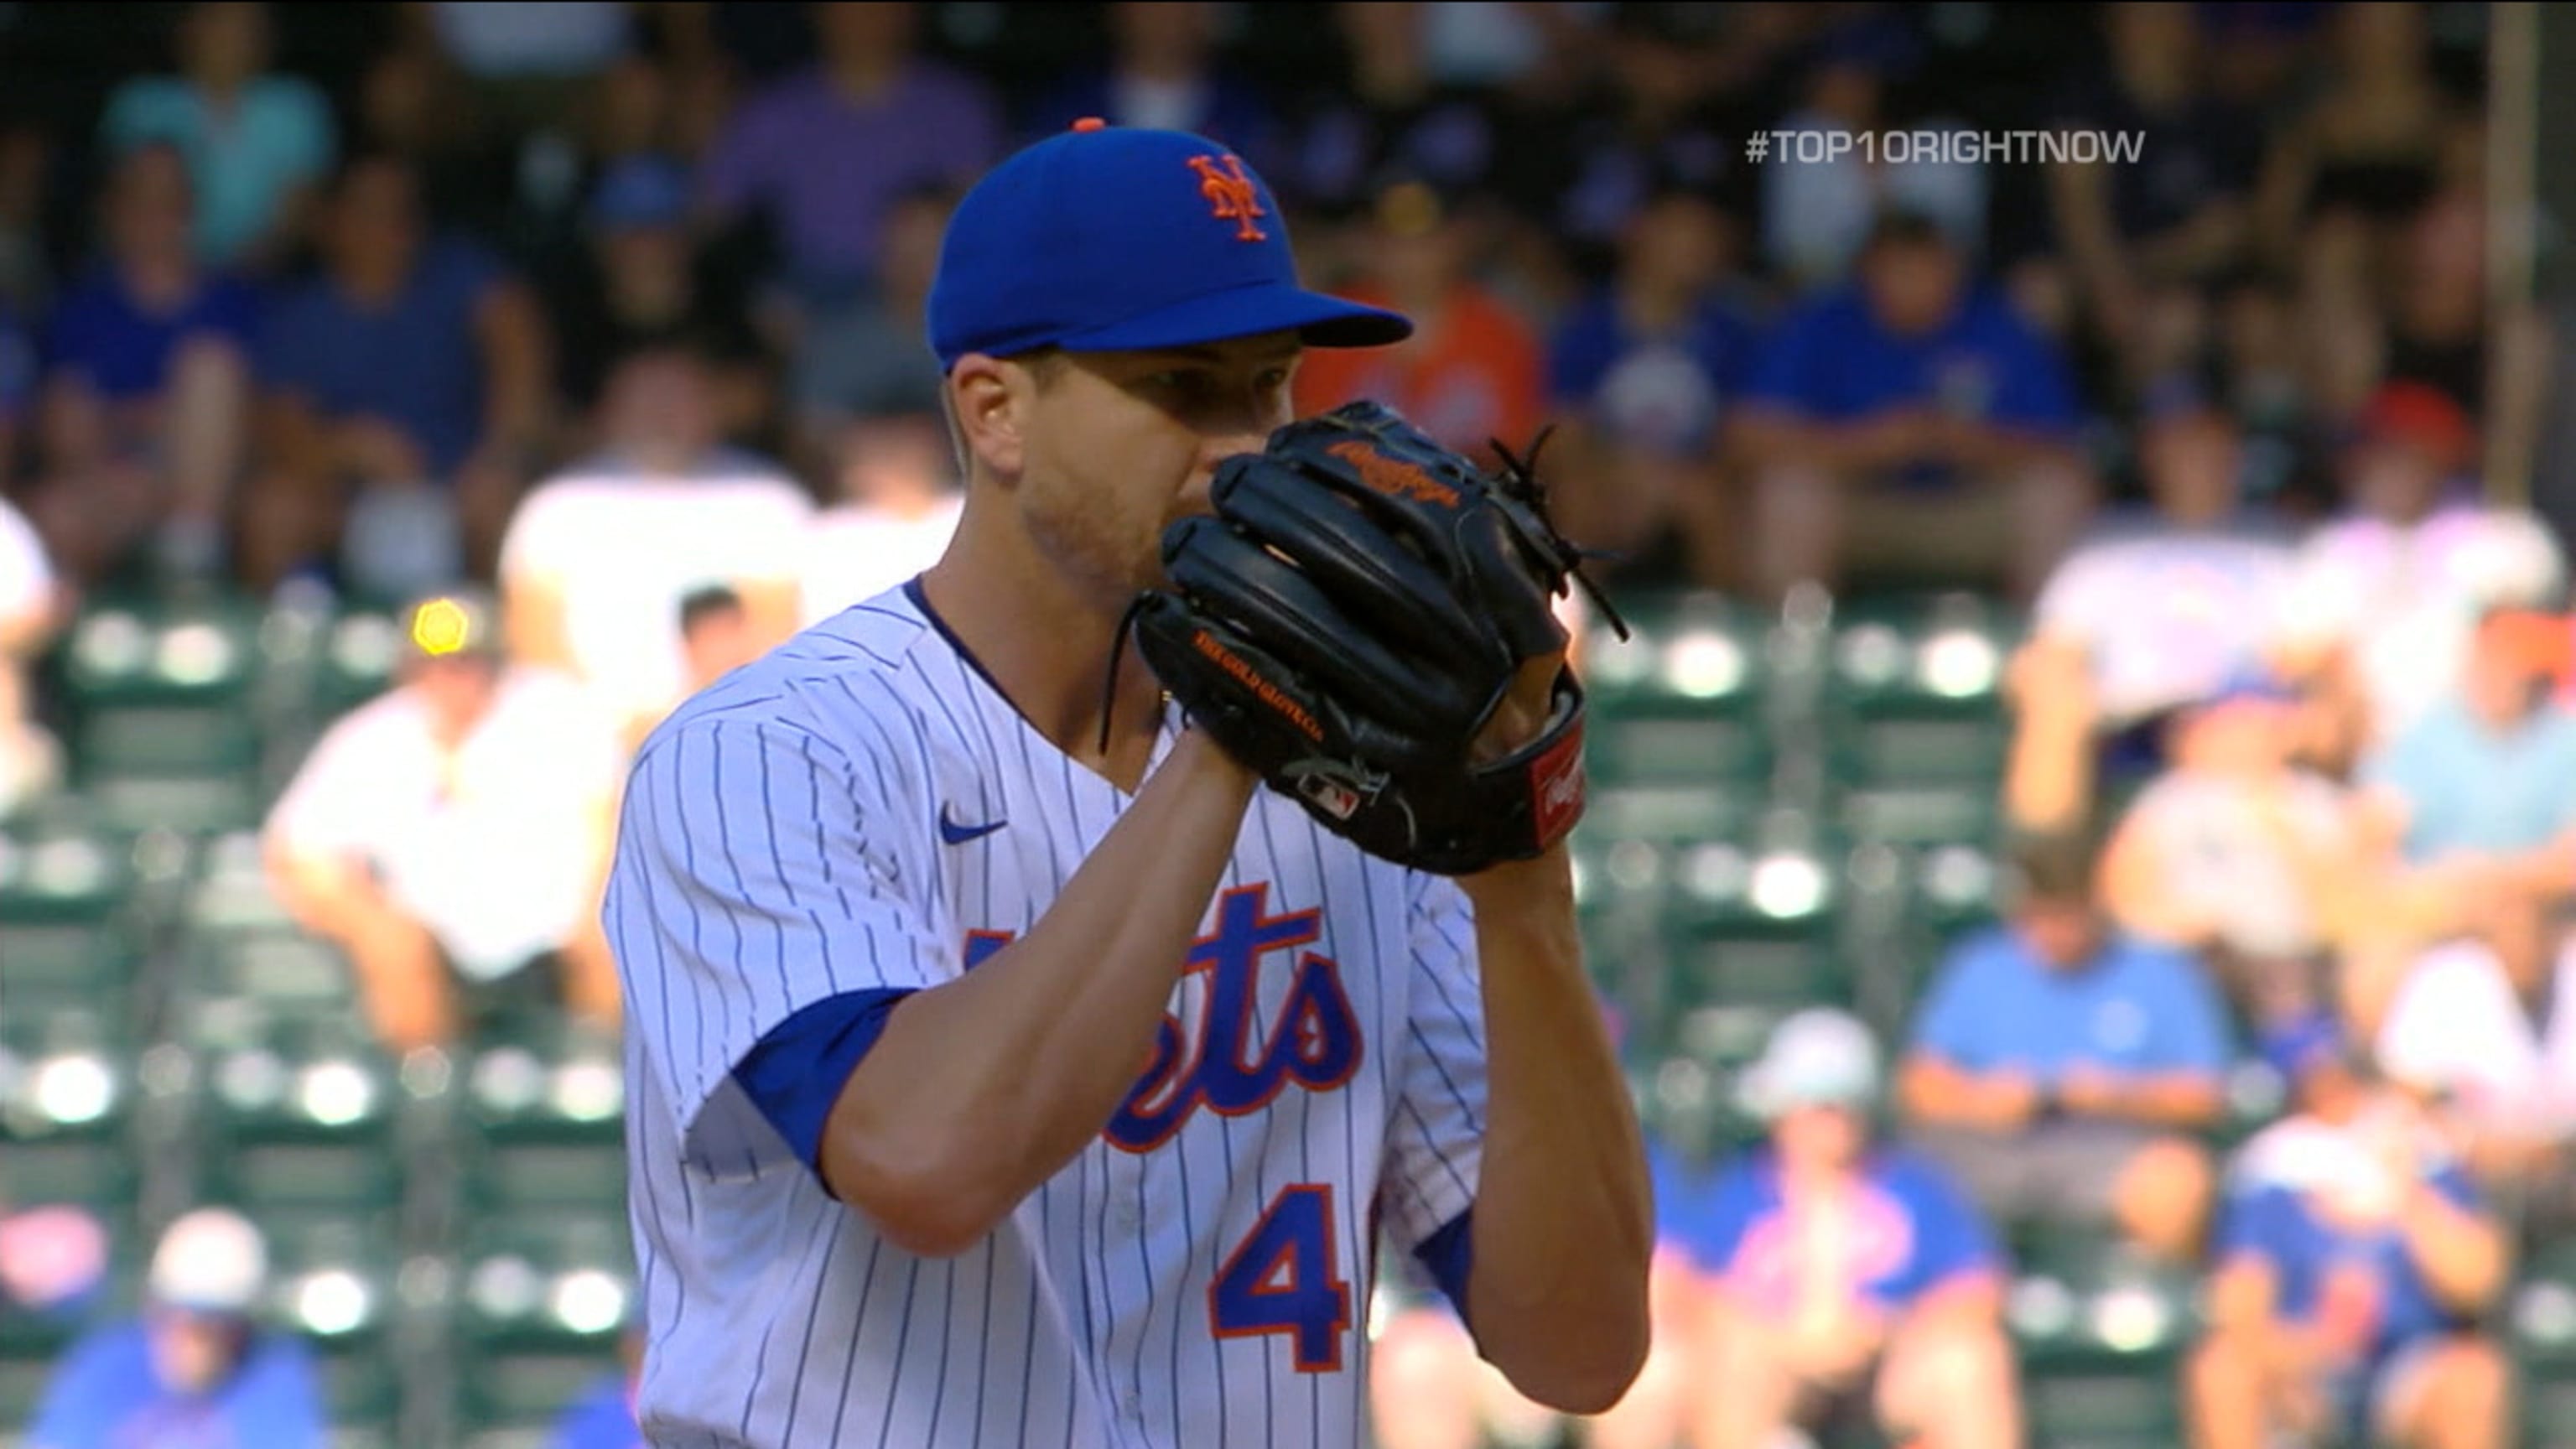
[[545, 1109], [67, 941], [1754, 929], [302, 1119], [1680, 703], [166, 719], [357, 662], [543, 1308], [337, 1282], [2101, 1339], [68, 1089], [1914, 720]]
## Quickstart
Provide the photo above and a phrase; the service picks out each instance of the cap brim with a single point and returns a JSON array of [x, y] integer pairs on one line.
[[1318, 321]]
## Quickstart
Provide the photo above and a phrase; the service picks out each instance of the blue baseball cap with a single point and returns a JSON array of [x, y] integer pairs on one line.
[[1114, 239]]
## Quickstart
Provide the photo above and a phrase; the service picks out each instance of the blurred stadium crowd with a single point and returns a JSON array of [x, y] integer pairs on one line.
[[2083, 833]]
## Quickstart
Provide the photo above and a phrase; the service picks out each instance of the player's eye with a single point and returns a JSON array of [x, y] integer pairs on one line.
[[1272, 379]]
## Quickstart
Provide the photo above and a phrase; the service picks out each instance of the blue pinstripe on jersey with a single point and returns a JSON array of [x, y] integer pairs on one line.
[[780, 847]]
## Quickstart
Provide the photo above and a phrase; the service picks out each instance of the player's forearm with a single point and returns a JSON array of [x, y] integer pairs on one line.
[[1564, 1159], [981, 1089]]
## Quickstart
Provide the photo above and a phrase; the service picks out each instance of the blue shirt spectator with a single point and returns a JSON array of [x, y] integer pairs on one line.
[[252, 139], [2314, 1262], [1663, 393], [107, 1395], [2470, 786], [414, 362], [121, 344], [1832, 360], [2132, 1008]]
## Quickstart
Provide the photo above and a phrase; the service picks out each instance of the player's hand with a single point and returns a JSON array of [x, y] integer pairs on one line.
[[1369, 621], [1525, 713]]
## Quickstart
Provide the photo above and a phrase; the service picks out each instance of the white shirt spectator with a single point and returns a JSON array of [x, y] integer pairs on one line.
[[2458, 1025], [621, 550], [2222, 862], [496, 852], [859, 551], [2166, 615], [2405, 597]]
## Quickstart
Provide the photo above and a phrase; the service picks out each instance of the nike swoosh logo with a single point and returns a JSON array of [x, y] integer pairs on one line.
[[956, 834]]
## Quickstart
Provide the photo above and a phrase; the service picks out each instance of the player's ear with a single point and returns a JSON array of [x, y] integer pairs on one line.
[[988, 405]]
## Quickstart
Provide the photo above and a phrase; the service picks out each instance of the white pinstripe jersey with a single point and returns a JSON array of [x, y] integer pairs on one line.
[[1200, 1274]]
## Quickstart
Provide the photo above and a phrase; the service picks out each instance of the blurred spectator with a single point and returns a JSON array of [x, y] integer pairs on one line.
[[2490, 772], [898, 504], [1818, 212], [1642, 374], [865, 359], [2181, 212], [147, 386], [2059, 1069], [2444, 327], [1164, 73], [2342, 177], [1391, 117], [2168, 600], [413, 103], [643, 283], [2354, 1262], [2238, 854], [1651, 123], [1912, 418], [412, 373], [2437, 306], [604, 1417], [1842, 1281], [452, 837], [2387, 596], [2483, 1027], [26, 166], [31, 610], [524, 59], [716, 636], [826, 152], [257, 142], [197, 1367], [1472, 372], [601, 553]]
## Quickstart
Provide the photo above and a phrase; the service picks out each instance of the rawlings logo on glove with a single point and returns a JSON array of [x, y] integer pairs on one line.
[[1349, 621]]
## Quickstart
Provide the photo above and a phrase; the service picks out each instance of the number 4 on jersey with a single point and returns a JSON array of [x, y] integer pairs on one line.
[[1282, 1279]]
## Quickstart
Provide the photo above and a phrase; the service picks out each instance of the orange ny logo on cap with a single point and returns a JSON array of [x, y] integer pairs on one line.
[[1230, 193]]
